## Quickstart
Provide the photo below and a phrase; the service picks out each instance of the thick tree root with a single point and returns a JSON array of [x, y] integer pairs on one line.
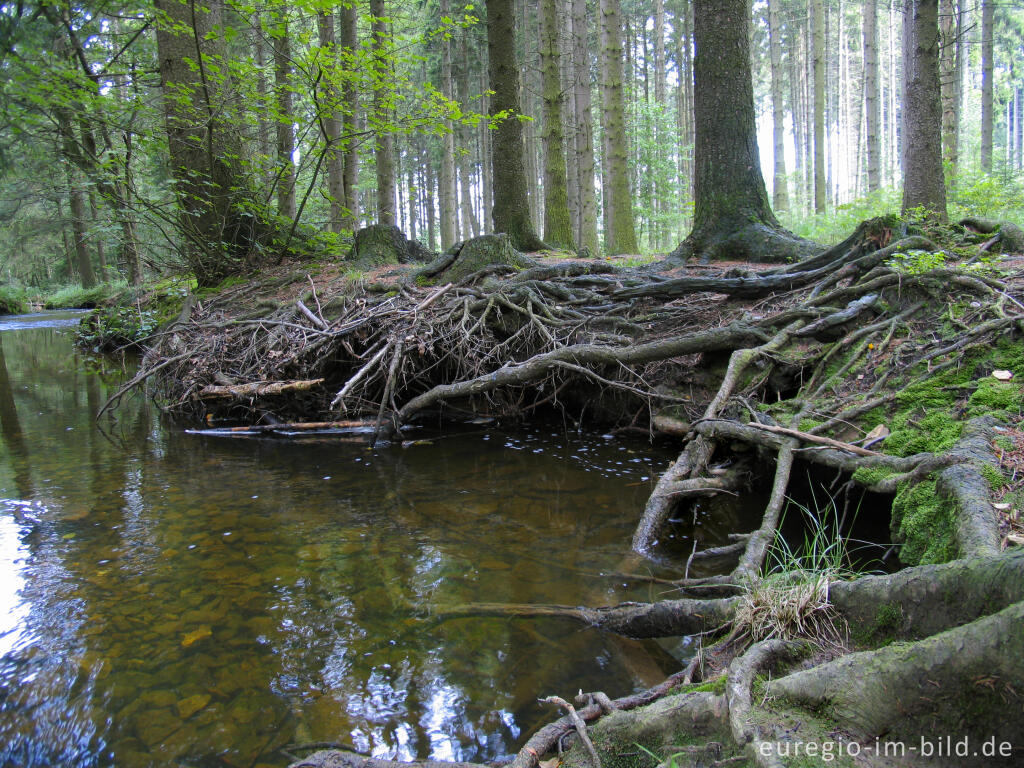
[[665, 618], [966, 682]]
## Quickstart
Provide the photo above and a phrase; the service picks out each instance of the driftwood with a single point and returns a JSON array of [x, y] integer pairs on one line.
[[259, 389]]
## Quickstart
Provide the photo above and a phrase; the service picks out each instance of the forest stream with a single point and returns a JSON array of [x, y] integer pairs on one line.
[[176, 599]]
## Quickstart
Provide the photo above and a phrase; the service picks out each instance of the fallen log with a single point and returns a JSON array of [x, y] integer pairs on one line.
[[258, 389]]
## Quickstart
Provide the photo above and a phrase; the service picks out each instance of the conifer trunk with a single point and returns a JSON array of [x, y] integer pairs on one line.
[[557, 223], [622, 236], [511, 212], [923, 185]]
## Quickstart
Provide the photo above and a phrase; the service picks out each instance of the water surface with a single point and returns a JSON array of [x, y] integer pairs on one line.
[[176, 599]]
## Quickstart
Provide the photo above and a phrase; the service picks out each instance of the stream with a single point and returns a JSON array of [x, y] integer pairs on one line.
[[179, 599]]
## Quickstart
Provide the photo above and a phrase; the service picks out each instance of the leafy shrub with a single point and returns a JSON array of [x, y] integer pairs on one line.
[[12, 300]]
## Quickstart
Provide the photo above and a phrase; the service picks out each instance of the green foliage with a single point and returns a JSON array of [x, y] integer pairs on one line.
[[12, 300], [77, 297], [113, 327], [916, 262], [925, 524]]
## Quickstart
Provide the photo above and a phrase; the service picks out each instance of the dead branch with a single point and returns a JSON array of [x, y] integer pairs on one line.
[[259, 389]]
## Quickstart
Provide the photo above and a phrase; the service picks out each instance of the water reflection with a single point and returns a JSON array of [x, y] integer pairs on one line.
[[177, 599]]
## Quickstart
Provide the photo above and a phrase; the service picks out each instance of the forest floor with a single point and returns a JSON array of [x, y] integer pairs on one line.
[[890, 366]]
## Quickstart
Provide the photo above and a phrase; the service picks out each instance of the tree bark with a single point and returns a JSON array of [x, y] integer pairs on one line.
[[382, 129], [871, 96], [76, 199], [204, 142], [987, 86], [557, 223], [348, 40], [330, 121], [950, 64], [818, 44], [511, 212], [622, 235], [285, 119], [733, 218], [446, 196], [923, 185], [780, 192]]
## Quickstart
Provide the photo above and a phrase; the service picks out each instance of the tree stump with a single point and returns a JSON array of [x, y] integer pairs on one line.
[[379, 245]]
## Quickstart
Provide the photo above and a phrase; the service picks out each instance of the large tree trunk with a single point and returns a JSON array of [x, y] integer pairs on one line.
[[923, 185], [204, 143], [871, 95], [950, 65], [76, 198], [348, 41], [382, 129], [285, 119], [557, 224], [622, 236], [330, 122], [780, 193], [732, 217], [987, 33], [446, 196], [818, 44], [511, 212]]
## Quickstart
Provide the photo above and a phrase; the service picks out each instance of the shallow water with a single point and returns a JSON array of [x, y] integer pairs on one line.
[[177, 599]]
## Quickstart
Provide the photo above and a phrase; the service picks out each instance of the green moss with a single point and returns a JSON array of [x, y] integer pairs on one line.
[[872, 475], [936, 431], [924, 523], [993, 395], [883, 627], [714, 685], [996, 479]]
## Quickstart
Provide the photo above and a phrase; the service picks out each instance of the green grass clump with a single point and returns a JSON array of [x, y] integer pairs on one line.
[[925, 524], [12, 300], [77, 297]]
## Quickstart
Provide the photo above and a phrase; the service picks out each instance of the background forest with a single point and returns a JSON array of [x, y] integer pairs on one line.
[[343, 116]]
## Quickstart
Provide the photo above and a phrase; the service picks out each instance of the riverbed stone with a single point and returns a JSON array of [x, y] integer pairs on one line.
[[192, 704], [155, 725]]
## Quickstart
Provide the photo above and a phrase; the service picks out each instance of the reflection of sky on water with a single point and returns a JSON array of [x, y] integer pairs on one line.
[[12, 554]]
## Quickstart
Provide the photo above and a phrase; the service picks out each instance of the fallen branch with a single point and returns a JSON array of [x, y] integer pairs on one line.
[[259, 389]]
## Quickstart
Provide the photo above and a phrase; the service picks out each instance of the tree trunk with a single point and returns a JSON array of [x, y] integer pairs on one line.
[[622, 236], [204, 142], [76, 198], [584, 128], [348, 40], [285, 119], [732, 217], [818, 43], [871, 96], [923, 185], [511, 212], [780, 192], [446, 196], [470, 226], [264, 142], [659, 181], [987, 32], [557, 223], [382, 129], [950, 52], [330, 121]]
